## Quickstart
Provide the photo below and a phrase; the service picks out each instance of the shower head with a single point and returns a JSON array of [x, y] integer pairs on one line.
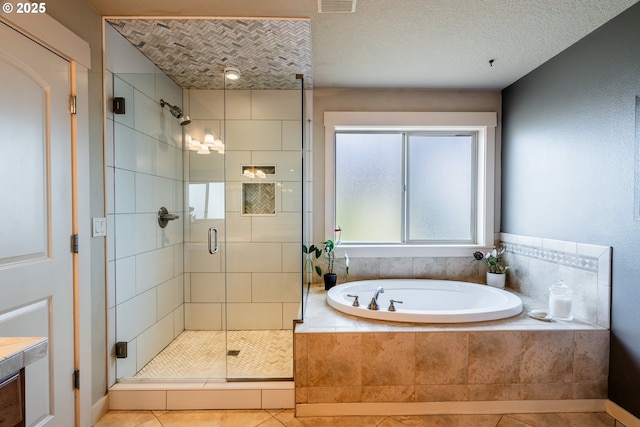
[[176, 112]]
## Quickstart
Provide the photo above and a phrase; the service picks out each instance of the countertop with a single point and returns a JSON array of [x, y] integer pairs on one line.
[[18, 352]]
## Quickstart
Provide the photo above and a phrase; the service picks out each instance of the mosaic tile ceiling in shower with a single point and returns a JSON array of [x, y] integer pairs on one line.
[[194, 52]]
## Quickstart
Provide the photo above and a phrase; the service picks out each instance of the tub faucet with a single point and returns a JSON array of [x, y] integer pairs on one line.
[[374, 301]]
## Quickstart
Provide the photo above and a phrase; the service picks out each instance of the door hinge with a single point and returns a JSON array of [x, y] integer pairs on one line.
[[75, 244], [73, 106], [76, 379]]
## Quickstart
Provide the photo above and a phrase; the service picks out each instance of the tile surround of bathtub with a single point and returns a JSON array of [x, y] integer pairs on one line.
[[340, 359], [537, 263]]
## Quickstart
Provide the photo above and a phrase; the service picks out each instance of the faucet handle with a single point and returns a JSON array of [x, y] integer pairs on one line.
[[393, 307], [355, 301]]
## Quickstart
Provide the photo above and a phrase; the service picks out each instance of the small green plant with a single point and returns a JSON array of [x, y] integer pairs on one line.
[[492, 259], [328, 248]]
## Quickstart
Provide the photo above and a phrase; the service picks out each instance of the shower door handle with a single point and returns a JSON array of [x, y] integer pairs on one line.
[[213, 231]]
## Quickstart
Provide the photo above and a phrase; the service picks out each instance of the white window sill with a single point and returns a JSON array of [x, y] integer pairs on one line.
[[408, 251]]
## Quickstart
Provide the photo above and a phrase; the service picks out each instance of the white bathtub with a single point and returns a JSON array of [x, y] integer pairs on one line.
[[426, 301]]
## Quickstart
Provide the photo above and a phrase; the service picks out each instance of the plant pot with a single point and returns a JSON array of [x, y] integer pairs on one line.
[[330, 280], [497, 280]]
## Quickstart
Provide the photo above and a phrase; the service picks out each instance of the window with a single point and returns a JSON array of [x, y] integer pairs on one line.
[[410, 184]]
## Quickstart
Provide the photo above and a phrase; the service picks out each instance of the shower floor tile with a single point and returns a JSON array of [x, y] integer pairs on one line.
[[203, 355]]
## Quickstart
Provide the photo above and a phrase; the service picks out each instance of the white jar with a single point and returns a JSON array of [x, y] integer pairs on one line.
[[560, 301]]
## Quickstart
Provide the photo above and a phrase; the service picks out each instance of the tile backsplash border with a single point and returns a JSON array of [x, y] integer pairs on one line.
[[537, 263]]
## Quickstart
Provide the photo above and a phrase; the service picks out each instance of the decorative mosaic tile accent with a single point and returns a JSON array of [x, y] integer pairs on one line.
[[581, 262], [259, 199], [194, 52]]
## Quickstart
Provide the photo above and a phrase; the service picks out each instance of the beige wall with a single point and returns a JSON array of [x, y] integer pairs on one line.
[[325, 99]]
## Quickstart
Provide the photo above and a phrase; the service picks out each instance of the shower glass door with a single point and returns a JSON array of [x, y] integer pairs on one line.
[[244, 229]]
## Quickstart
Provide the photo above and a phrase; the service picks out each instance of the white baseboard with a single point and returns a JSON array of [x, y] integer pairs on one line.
[[441, 408], [99, 408], [622, 415]]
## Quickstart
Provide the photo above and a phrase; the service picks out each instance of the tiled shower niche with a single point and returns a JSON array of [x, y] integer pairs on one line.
[[258, 198]]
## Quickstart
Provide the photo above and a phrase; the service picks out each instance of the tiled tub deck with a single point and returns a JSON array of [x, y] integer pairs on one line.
[[346, 365]]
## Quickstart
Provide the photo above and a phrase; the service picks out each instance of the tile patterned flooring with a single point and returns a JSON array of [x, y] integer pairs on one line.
[[202, 355], [286, 418]]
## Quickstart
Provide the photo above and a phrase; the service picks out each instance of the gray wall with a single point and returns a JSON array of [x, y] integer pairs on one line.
[[80, 18], [568, 146]]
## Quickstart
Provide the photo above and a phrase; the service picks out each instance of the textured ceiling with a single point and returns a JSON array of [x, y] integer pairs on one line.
[[194, 52], [408, 44]]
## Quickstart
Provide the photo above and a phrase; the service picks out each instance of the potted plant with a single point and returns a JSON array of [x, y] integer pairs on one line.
[[496, 276], [329, 250]]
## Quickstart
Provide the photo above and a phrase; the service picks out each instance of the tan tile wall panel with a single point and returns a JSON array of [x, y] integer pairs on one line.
[[451, 366]]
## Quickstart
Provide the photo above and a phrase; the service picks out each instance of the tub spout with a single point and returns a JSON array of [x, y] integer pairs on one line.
[[374, 301]]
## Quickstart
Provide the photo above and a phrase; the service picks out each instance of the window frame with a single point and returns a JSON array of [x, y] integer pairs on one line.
[[484, 123]]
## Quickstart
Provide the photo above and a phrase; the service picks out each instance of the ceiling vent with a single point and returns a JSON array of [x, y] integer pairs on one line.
[[336, 6]]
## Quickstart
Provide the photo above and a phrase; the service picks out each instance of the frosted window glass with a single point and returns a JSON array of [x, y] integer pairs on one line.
[[441, 187], [369, 186]]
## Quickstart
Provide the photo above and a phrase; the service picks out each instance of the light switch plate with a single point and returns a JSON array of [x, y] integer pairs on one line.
[[99, 227]]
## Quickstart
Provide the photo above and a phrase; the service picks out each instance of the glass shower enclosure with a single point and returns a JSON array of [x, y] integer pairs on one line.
[[213, 294]]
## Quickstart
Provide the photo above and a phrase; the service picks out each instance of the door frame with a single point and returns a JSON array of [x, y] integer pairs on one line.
[[46, 31]]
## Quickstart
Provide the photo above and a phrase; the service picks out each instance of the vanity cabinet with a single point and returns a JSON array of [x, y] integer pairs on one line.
[[12, 404]]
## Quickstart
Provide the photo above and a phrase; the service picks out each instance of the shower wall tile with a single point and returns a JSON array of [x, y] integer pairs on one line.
[[254, 135], [109, 143], [275, 105], [153, 340], [178, 320], [110, 185], [144, 193], [233, 196], [203, 316], [206, 104], [238, 103], [199, 260], [148, 117], [135, 315], [168, 161], [198, 229], [207, 287], [291, 197], [125, 279], [124, 90], [143, 81], [283, 227], [172, 234], [254, 257], [290, 311], [124, 191], [238, 287], [111, 284], [153, 268], [144, 148], [169, 296], [238, 228], [291, 258], [254, 316], [235, 159], [292, 134], [288, 163], [108, 97], [275, 287], [209, 168], [127, 367]]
